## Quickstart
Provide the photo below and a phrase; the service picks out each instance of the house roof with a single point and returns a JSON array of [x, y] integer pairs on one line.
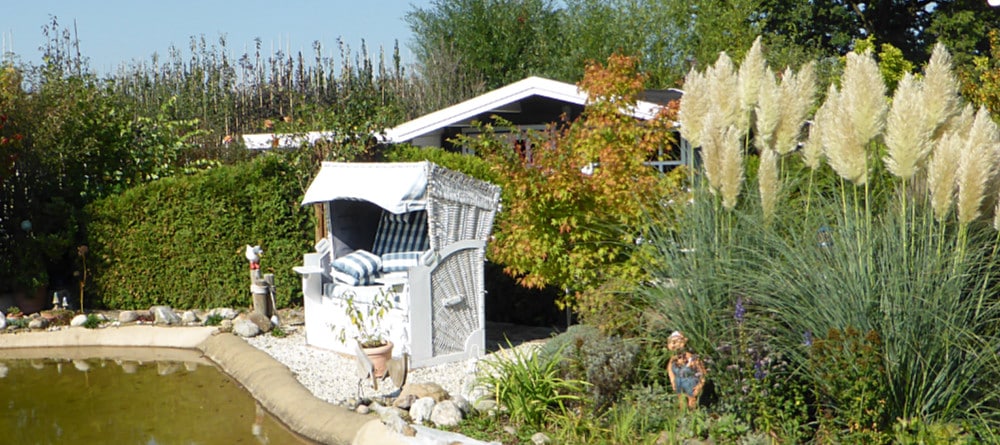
[[493, 101]]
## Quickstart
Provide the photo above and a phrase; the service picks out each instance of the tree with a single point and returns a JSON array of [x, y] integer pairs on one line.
[[830, 26], [499, 41], [574, 201]]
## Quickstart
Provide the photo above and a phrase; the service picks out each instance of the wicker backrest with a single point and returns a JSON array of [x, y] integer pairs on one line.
[[459, 207]]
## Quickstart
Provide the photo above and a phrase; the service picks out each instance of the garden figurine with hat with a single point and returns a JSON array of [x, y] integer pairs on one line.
[[686, 370]]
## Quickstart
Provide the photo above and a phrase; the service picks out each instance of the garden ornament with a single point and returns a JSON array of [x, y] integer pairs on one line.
[[686, 370], [253, 256], [261, 286]]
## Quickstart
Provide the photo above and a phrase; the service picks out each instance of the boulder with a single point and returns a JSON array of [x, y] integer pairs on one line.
[[263, 323], [189, 317], [164, 315], [540, 438], [78, 320], [38, 323], [421, 409], [127, 316], [485, 405], [224, 312], [462, 404], [420, 390], [245, 328], [446, 413]]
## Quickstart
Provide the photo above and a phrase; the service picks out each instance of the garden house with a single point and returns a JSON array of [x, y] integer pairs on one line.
[[529, 104], [413, 231]]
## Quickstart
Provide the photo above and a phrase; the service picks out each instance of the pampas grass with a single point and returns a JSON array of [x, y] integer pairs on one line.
[[730, 167], [768, 112], [863, 96], [908, 130], [941, 174], [768, 183], [798, 93], [694, 107], [857, 115], [724, 93], [843, 151], [941, 96], [976, 166], [750, 76], [921, 280]]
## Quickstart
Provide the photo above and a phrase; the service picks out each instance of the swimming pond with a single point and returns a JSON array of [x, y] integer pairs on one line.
[[127, 396]]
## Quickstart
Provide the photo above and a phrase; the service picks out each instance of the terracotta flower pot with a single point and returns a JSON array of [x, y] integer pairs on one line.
[[379, 356]]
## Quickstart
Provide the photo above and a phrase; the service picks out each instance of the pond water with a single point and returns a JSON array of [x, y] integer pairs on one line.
[[151, 397]]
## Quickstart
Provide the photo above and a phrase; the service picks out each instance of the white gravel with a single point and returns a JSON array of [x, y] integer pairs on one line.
[[332, 377]]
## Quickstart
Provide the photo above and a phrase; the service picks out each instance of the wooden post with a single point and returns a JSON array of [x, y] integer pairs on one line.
[[271, 310], [259, 290], [320, 212]]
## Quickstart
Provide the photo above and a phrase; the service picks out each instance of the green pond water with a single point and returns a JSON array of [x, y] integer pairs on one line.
[[169, 397]]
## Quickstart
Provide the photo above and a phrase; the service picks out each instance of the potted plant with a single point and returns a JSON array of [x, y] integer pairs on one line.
[[14, 312], [367, 319]]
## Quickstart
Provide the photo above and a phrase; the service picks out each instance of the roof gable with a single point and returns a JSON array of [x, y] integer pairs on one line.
[[498, 98]]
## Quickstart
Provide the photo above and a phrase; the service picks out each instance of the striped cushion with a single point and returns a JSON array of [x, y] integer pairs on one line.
[[358, 268], [400, 261], [405, 232]]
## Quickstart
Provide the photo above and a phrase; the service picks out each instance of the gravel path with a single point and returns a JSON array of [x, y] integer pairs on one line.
[[331, 376]]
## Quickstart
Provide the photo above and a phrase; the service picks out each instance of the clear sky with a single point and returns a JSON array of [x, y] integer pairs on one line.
[[113, 32]]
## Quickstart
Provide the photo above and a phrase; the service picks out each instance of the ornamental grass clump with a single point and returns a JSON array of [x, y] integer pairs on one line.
[[880, 291], [529, 386]]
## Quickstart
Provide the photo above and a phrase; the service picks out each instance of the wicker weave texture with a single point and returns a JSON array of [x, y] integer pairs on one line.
[[459, 275]]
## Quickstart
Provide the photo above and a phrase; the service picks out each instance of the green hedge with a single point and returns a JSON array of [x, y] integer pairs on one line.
[[471, 165], [180, 241]]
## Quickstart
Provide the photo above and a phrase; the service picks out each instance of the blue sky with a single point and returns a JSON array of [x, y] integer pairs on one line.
[[113, 32]]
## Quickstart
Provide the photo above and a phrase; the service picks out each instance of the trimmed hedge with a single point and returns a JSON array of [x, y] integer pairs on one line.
[[473, 166], [180, 241]]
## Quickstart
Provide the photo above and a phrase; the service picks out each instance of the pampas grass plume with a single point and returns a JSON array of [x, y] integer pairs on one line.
[[976, 166], [798, 92], [694, 108], [941, 98], [750, 75], [768, 111], [768, 182], [908, 130], [863, 96], [723, 87], [711, 154], [731, 167], [941, 174], [844, 152]]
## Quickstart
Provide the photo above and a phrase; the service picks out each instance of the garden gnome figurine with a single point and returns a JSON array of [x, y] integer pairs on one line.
[[686, 370]]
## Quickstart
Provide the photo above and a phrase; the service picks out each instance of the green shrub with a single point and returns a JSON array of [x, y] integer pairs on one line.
[[179, 241], [918, 432], [213, 320], [278, 332], [584, 353], [473, 166], [92, 322], [530, 387]]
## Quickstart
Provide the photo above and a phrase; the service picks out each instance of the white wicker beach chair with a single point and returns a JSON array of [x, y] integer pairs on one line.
[[422, 232]]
